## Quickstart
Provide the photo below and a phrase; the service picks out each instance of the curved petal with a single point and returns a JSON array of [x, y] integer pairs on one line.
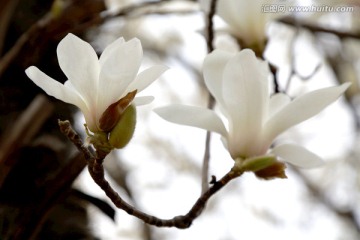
[[245, 19], [88, 112], [246, 94], [146, 77], [213, 69], [109, 49], [138, 101], [66, 93], [79, 62], [224, 142], [235, 13], [301, 109], [117, 72], [277, 102], [193, 116], [297, 156], [53, 87]]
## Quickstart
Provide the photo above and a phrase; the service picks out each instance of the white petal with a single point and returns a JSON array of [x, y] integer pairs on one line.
[[109, 49], [146, 77], [246, 95], [237, 13], [88, 111], [297, 156], [193, 116], [245, 18], [277, 102], [117, 72], [79, 62], [138, 101], [213, 69], [224, 142], [301, 109], [53, 87], [66, 93]]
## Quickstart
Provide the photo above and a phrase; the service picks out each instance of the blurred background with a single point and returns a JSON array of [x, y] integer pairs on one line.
[[46, 191]]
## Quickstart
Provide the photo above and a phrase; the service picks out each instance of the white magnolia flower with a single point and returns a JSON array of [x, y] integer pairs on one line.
[[247, 19], [94, 84], [239, 83]]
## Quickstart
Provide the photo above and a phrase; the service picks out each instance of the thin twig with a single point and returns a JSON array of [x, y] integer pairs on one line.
[[273, 70], [131, 10], [69, 132], [211, 100], [294, 72], [96, 170], [134, 11], [210, 26], [314, 28]]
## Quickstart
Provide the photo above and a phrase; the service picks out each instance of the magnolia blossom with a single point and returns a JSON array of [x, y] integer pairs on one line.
[[95, 83], [239, 83], [247, 19]]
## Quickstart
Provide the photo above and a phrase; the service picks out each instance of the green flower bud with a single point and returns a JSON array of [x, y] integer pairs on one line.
[[124, 129], [258, 163]]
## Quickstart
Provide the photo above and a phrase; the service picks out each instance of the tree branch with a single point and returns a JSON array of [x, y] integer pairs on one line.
[[96, 170], [23, 130], [211, 100]]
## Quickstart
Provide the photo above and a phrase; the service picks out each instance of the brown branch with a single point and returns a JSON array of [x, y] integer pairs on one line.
[[274, 70], [50, 28], [134, 11], [119, 174], [183, 221], [69, 132], [96, 170], [210, 26], [23, 130], [6, 12], [211, 100], [76, 17], [314, 28]]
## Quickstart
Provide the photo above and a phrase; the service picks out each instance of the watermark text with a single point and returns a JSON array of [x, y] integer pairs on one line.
[[282, 8]]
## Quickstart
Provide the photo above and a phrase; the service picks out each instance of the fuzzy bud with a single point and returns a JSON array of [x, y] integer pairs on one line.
[[124, 129]]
